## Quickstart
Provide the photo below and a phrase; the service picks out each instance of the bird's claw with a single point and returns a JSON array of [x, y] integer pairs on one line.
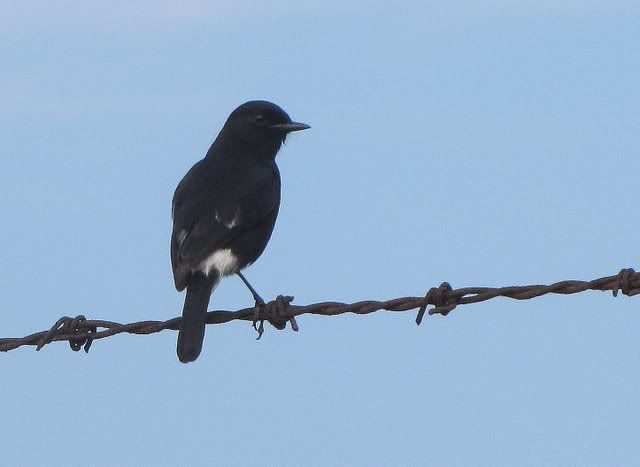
[[256, 317]]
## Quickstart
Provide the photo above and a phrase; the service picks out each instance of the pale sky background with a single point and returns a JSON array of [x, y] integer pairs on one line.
[[482, 143]]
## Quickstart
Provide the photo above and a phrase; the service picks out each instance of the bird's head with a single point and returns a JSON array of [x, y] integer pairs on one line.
[[260, 126]]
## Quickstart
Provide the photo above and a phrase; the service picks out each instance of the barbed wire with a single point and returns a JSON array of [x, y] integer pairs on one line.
[[81, 332]]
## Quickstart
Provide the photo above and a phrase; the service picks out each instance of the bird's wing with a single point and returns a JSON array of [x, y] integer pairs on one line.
[[209, 213]]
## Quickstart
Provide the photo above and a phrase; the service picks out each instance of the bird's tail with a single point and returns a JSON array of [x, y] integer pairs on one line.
[[194, 314]]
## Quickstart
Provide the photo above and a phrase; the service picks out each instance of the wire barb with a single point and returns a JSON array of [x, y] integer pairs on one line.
[[440, 298], [624, 281], [80, 332], [276, 312], [72, 326]]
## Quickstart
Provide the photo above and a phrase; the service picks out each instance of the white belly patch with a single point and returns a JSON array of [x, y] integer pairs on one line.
[[225, 262]]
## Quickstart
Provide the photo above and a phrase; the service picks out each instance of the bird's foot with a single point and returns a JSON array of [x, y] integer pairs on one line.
[[276, 312], [257, 313]]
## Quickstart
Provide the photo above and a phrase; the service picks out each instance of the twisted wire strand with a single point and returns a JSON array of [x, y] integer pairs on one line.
[[81, 332]]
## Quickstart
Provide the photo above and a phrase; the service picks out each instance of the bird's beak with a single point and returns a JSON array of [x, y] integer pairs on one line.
[[289, 127]]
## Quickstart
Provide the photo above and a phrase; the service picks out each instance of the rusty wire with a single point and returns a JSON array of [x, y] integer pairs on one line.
[[81, 332]]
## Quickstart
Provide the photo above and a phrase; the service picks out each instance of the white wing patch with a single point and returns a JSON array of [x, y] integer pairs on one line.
[[181, 236], [233, 223], [225, 262], [229, 225]]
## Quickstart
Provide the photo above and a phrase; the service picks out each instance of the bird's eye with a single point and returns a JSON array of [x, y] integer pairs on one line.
[[260, 120]]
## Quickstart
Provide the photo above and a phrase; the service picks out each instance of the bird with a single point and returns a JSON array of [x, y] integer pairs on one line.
[[224, 211]]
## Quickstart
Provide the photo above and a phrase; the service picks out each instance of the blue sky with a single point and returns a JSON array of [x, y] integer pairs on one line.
[[481, 143]]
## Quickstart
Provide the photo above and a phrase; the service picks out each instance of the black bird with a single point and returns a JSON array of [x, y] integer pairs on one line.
[[224, 211]]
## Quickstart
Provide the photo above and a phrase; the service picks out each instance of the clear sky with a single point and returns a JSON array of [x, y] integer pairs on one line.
[[482, 143]]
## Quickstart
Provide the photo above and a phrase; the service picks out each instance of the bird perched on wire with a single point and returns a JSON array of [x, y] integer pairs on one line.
[[224, 211]]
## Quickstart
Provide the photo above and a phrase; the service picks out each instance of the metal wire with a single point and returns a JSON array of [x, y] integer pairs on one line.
[[81, 332]]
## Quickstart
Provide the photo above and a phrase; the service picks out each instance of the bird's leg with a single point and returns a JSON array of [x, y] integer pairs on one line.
[[259, 304], [256, 296]]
